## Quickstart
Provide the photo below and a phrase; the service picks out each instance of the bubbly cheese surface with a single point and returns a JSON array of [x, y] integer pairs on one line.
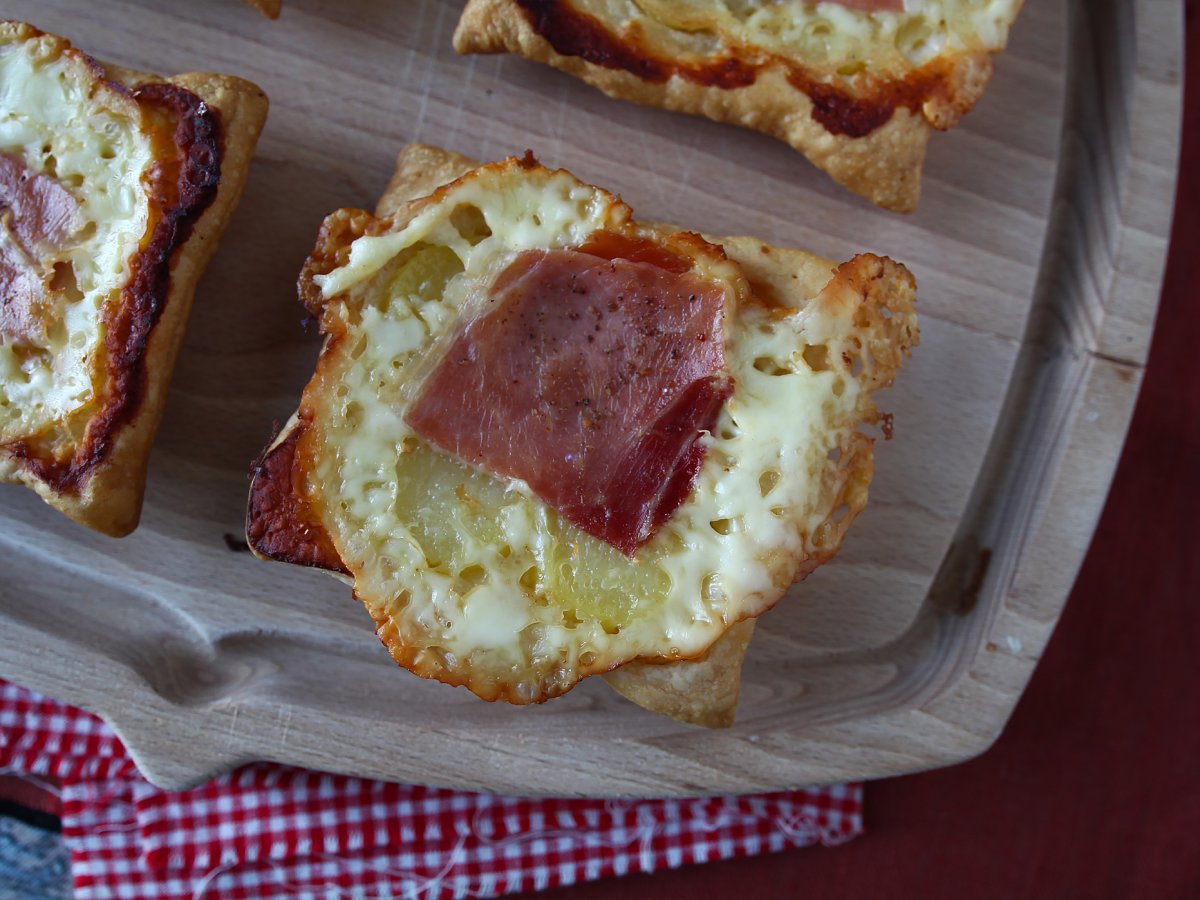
[[60, 119], [480, 576], [822, 34]]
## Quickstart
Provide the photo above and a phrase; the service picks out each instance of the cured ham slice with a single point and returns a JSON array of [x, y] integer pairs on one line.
[[592, 380], [39, 212], [38, 216]]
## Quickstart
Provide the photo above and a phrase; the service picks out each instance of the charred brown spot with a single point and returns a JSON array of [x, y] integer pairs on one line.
[[183, 183], [840, 113], [872, 105], [280, 524], [574, 33], [186, 181]]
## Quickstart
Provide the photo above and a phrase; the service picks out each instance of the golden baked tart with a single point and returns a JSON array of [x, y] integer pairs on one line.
[[545, 441], [115, 187], [857, 86]]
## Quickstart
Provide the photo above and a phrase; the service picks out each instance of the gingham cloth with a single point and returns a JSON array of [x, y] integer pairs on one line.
[[274, 831]]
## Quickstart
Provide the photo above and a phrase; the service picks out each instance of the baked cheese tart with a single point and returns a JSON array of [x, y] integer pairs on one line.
[[545, 441], [114, 189], [857, 86]]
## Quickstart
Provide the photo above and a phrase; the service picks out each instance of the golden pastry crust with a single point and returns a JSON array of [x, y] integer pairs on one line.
[[697, 691], [867, 130], [282, 524], [94, 469]]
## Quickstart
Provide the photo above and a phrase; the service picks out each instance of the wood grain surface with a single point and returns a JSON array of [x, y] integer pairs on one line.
[[1038, 249]]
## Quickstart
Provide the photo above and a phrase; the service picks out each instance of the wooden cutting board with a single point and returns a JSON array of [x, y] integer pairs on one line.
[[1038, 248]]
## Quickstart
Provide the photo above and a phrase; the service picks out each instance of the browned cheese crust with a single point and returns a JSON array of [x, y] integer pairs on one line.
[[206, 127], [702, 691], [870, 136]]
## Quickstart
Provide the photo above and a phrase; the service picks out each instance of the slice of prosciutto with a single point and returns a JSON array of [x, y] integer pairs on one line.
[[41, 214], [589, 378], [38, 217]]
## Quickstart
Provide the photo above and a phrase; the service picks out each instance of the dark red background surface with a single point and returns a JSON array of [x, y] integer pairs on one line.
[[1093, 790]]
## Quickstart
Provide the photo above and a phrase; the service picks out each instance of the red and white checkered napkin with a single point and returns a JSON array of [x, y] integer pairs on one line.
[[274, 831]]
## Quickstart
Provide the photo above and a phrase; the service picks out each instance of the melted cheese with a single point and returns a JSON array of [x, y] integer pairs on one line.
[[476, 570], [61, 120], [823, 35], [557, 213]]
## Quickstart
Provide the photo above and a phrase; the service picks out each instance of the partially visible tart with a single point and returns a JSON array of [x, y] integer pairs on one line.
[[115, 187]]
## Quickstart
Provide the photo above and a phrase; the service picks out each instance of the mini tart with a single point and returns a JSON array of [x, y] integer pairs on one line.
[[857, 86], [471, 576], [117, 186]]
